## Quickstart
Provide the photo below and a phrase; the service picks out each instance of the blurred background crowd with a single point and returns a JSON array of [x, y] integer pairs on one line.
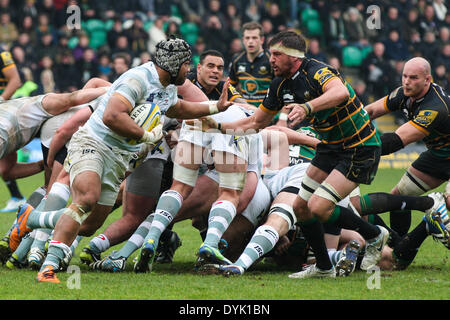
[[56, 54]]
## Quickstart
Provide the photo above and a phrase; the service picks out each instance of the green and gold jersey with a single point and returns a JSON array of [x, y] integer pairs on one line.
[[6, 62], [429, 114], [302, 154], [233, 94], [347, 125], [252, 78]]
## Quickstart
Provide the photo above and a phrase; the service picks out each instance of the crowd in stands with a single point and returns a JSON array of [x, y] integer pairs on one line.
[[113, 36]]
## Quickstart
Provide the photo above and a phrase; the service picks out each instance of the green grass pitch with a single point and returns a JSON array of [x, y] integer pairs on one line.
[[427, 278]]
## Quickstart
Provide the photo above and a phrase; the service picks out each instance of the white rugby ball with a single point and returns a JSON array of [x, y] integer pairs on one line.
[[146, 116]]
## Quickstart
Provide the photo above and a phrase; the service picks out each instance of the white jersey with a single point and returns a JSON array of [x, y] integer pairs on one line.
[[138, 85], [50, 126], [20, 120]]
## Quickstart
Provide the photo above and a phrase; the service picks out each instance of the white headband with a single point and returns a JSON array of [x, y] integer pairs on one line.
[[289, 51]]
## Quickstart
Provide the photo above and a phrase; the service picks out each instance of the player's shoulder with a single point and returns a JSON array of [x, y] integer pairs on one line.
[[437, 98], [238, 57]]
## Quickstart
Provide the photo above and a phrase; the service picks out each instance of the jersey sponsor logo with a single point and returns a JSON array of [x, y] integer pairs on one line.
[[241, 68], [233, 90], [426, 117], [287, 97], [322, 75], [263, 70], [6, 58], [251, 86]]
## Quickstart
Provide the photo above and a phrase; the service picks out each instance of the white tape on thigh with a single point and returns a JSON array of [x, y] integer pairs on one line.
[[411, 185], [61, 189], [185, 175], [284, 211], [307, 188], [75, 216], [232, 180]]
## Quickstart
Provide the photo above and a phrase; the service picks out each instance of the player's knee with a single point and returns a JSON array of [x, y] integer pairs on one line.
[[285, 212], [321, 208]]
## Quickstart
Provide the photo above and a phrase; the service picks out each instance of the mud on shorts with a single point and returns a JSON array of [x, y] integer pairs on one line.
[[85, 153]]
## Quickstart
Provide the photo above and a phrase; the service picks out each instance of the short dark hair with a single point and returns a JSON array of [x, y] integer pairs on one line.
[[253, 25], [289, 39], [210, 52]]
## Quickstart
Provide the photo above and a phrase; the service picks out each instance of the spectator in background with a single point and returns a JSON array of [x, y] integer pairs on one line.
[[122, 46], [275, 16], [27, 26], [137, 36], [87, 66], [156, 34], [335, 62], [393, 21], [144, 57], [121, 63], [104, 66], [173, 27], [441, 77], [410, 24], [83, 44], [67, 75], [360, 90], [355, 28], [214, 9], [214, 35], [193, 10], [414, 42], [46, 76], [429, 47], [29, 9], [440, 9], [314, 51], [267, 27], [231, 13], [44, 27], [376, 70], [5, 7], [8, 30], [395, 48], [252, 13], [335, 32], [428, 21], [46, 7], [45, 47], [114, 33], [444, 36], [444, 57]]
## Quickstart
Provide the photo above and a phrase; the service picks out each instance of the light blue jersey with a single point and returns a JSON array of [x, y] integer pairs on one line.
[[138, 85]]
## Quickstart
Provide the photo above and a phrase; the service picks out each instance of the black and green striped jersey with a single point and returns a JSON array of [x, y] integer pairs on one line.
[[217, 91], [347, 124], [6, 62], [251, 78], [429, 114], [299, 153]]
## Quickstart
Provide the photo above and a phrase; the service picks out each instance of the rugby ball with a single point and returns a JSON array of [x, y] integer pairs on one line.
[[146, 116]]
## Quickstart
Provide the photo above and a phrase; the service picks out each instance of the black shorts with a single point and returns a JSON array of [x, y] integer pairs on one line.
[[59, 157], [358, 164], [432, 165]]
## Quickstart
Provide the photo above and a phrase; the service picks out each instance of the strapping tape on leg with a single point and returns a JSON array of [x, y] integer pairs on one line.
[[328, 192], [232, 180], [411, 185], [307, 188], [78, 215], [185, 175], [284, 211]]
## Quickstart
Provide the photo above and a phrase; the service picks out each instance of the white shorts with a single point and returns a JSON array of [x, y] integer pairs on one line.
[[259, 206], [236, 145], [291, 176], [88, 154]]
